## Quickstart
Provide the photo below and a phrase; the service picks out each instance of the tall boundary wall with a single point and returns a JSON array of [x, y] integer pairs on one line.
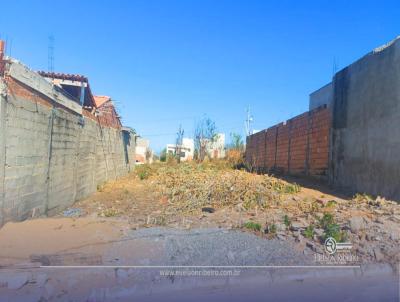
[[300, 146], [50, 155], [365, 155]]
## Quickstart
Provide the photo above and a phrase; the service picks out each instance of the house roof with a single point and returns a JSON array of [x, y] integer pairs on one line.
[[100, 100], [64, 76], [72, 88]]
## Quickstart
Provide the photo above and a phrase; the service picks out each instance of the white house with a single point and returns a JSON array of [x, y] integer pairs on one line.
[[143, 151], [187, 149], [216, 149]]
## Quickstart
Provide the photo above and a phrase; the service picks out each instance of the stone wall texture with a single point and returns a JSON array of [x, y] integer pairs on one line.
[[51, 157]]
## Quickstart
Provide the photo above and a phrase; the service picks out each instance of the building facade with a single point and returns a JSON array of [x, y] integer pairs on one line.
[[186, 149]]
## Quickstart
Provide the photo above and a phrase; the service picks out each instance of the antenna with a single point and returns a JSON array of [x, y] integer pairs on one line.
[[248, 122], [50, 54]]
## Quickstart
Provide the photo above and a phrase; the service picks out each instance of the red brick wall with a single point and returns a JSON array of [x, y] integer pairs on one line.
[[257, 156], [271, 147], [299, 146], [282, 148], [319, 141], [298, 143]]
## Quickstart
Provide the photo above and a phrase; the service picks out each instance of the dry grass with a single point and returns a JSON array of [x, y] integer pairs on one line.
[[190, 186]]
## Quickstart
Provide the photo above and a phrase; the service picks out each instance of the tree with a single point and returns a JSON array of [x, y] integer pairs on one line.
[[236, 142], [163, 155], [179, 141], [205, 133]]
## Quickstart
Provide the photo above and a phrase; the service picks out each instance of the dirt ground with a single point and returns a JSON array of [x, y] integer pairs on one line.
[[371, 225]]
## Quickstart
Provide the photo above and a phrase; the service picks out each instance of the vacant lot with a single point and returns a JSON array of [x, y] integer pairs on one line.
[[214, 194], [116, 244]]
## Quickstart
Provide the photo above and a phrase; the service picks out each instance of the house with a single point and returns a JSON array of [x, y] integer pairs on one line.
[[77, 88], [143, 153], [106, 111], [216, 148], [186, 149]]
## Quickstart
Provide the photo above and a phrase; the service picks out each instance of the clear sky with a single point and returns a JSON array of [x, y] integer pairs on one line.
[[170, 62]]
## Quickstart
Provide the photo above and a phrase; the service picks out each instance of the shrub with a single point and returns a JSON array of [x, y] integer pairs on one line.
[[331, 229], [326, 220]]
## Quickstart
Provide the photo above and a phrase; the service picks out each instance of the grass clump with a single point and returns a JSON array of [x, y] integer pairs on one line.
[[286, 188], [286, 221], [359, 198], [291, 188], [254, 226], [309, 232], [330, 203], [143, 171], [271, 230], [111, 212]]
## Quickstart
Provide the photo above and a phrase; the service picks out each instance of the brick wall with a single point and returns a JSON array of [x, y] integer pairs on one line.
[[51, 157], [299, 146]]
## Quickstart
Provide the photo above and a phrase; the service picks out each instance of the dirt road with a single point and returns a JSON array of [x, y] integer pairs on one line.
[[102, 260]]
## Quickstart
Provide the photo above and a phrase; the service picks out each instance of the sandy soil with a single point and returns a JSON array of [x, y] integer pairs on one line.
[[20, 240]]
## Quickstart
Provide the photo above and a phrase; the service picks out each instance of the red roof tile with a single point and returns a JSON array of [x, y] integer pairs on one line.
[[100, 100]]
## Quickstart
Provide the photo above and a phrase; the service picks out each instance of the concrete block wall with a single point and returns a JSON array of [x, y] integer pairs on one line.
[[298, 146], [50, 156], [365, 135]]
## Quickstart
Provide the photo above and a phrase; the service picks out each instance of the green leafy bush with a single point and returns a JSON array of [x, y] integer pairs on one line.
[[331, 228]]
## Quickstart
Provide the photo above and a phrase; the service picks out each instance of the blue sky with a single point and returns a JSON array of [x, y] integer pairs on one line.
[[170, 62]]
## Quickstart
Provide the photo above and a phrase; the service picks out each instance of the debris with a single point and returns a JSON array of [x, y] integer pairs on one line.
[[73, 212], [192, 186], [208, 210]]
